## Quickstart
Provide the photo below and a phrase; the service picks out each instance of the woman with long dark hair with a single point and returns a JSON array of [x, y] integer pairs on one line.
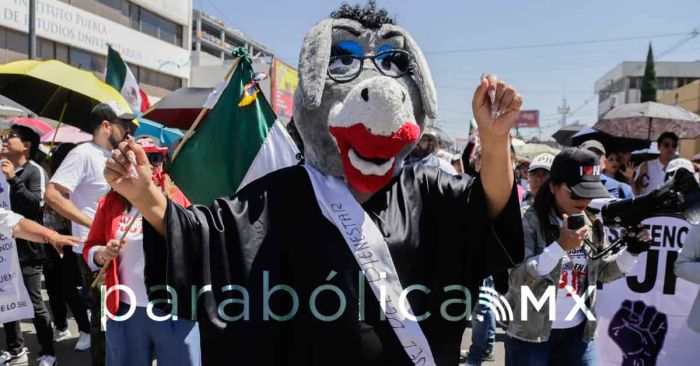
[[559, 267], [135, 331]]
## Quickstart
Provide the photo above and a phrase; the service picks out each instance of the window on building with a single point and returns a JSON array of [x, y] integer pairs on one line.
[[635, 82], [45, 49], [149, 23], [85, 60], [17, 42], [169, 82], [168, 31], [664, 83], [156, 78], [154, 25], [134, 16], [61, 52]]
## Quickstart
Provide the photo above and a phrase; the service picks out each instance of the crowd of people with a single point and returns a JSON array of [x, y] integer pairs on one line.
[[557, 255], [108, 233], [119, 229], [79, 211]]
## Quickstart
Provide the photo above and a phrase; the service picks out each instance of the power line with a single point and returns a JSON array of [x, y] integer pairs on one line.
[[557, 44], [691, 35], [521, 91]]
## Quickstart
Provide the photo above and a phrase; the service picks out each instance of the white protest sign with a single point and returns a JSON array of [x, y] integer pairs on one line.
[[14, 299], [642, 317]]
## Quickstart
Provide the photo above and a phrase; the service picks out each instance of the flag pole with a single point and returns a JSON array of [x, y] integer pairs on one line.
[[200, 116], [100, 276]]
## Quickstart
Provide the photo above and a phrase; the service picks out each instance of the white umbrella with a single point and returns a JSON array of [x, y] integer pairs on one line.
[[648, 120], [529, 151]]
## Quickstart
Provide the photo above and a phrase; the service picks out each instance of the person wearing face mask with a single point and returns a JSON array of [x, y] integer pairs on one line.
[[561, 258], [74, 190]]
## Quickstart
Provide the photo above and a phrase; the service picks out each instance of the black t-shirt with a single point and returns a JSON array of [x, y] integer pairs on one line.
[[437, 231], [27, 199]]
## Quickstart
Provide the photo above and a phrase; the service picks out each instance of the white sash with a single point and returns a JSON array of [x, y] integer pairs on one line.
[[370, 250]]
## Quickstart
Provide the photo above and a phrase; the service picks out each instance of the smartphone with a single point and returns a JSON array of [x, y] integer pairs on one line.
[[576, 221]]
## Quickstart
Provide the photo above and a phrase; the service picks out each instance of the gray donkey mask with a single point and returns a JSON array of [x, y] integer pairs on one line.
[[363, 98]]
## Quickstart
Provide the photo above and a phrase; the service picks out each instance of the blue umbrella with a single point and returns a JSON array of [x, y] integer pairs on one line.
[[166, 135]]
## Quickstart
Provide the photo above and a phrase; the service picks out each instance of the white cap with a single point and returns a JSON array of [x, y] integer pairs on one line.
[[542, 161], [680, 163]]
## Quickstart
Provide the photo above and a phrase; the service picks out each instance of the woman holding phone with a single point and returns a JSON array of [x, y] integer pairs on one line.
[[561, 236]]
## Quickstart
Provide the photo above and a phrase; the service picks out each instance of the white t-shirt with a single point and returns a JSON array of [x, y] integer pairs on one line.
[[82, 174], [654, 177], [131, 259]]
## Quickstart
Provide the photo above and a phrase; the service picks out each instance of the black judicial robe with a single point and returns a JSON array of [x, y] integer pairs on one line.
[[435, 225]]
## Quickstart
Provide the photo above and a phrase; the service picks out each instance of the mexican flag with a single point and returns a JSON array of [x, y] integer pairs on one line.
[[118, 75], [233, 145]]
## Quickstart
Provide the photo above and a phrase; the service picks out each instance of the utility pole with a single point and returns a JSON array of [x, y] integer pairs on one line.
[[564, 110], [32, 30]]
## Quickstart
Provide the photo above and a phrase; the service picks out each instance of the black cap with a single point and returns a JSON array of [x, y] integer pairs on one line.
[[109, 111], [580, 170], [593, 145]]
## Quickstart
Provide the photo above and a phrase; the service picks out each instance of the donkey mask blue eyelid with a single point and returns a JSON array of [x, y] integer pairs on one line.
[[350, 47], [386, 47]]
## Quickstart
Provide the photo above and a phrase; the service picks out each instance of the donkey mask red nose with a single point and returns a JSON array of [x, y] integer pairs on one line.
[[371, 126]]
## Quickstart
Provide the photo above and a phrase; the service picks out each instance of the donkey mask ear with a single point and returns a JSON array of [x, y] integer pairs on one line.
[[313, 62], [421, 73]]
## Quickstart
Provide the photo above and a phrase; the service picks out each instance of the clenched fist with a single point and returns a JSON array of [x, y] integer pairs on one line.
[[495, 106], [639, 330]]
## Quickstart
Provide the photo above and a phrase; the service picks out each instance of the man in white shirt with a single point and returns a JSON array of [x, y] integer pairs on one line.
[[650, 174], [74, 191]]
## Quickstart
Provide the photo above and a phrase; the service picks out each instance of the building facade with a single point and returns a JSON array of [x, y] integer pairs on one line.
[[622, 84], [152, 36], [688, 97], [212, 44]]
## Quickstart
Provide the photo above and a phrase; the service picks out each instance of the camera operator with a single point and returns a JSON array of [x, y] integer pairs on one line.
[[557, 256]]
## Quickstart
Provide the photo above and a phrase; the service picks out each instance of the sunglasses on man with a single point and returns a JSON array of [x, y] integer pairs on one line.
[[128, 126], [155, 158], [9, 136]]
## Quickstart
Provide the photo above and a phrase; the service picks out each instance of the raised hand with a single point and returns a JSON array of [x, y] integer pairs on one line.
[[639, 330], [8, 169], [128, 170], [628, 172], [497, 118]]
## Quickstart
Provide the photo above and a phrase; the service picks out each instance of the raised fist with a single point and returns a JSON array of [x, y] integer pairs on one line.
[[495, 106], [639, 330]]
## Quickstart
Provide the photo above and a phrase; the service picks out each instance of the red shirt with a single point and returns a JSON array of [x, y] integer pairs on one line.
[[104, 227]]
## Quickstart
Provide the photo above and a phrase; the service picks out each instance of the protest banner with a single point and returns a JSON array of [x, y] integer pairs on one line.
[[642, 317], [14, 299]]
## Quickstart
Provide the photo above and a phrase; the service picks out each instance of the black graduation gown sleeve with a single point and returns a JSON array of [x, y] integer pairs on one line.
[[208, 248], [459, 204], [203, 246]]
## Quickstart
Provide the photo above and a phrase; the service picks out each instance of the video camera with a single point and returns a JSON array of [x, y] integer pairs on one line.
[[679, 196]]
